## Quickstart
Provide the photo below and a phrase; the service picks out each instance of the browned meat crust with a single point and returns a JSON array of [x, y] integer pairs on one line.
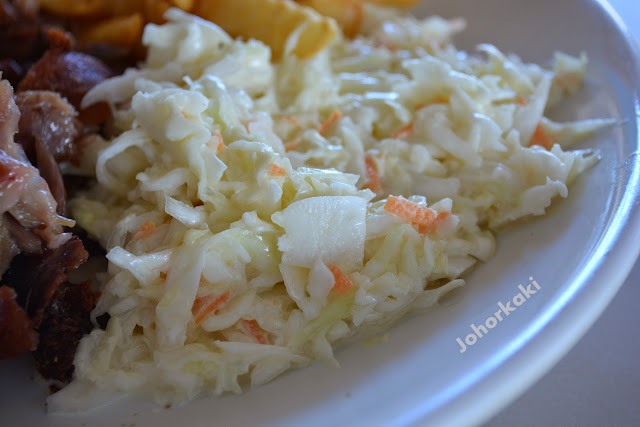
[[72, 74], [16, 332], [48, 128], [37, 277], [36, 300], [27, 208], [65, 321], [48, 117]]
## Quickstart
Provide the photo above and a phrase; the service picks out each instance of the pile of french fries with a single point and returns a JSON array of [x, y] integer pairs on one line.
[[314, 22]]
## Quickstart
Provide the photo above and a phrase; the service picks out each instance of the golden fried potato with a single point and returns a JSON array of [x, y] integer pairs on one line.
[[396, 3], [348, 13], [185, 5], [124, 31], [124, 7], [154, 10], [74, 8], [272, 22]]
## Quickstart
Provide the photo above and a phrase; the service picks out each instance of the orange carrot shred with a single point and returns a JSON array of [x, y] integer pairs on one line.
[[252, 327], [292, 119], [276, 170], [216, 141], [343, 283], [441, 99], [521, 101], [389, 46], [373, 178], [145, 230], [324, 127], [422, 216], [403, 132], [204, 306], [291, 145], [542, 138], [437, 223]]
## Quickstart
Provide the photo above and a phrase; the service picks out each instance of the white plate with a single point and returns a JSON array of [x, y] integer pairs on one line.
[[579, 253]]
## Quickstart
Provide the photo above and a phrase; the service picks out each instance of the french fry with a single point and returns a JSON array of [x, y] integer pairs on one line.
[[272, 22], [348, 13], [74, 8], [396, 3], [125, 31], [185, 5], [154, 10], [124, 7]]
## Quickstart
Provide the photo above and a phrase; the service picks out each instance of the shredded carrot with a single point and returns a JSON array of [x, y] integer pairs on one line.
[[252, 327], [373, 178], [542, 138], [292, 119], [422, 216], [291, 145], [389, 46], [436, 224], [216, 141], [403, 132], [521, 101], [343, 283], [324, 127], [441, 99], [204, 306], [145, 230], [276, 170], [184, 114]]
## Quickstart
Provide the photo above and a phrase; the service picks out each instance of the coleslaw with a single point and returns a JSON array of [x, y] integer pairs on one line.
[[256, 213]]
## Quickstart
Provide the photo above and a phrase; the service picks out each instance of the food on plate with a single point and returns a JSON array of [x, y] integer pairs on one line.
[[40, 309], [70, 74], [28, 224], [347, 13], [120, 23], [283, 25], [395, 3], [258, 208]]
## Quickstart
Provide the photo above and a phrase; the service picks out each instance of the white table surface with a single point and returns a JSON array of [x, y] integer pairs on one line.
[[598, 382]]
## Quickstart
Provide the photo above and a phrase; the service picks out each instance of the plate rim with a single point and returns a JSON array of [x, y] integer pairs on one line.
[[556, 331]]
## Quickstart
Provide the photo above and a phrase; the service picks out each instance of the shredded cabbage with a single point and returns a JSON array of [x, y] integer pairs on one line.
[[244, 203]]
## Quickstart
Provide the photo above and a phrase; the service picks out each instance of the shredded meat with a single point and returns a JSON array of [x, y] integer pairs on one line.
[[37, 299], [71, 74], [27, 207], [29, 226], [37, 277], [16, 332], [65, 321], [40, 311], [48, 128], [48, 117]]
